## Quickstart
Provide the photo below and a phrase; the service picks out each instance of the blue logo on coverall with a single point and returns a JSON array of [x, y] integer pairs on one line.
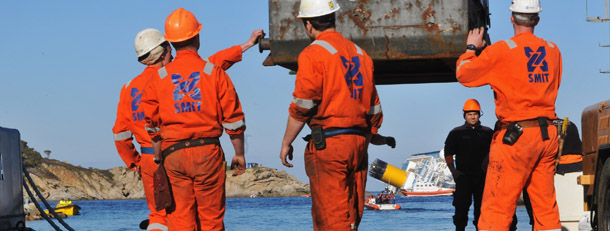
[[136, 95], [353, 77], [186, 87], [536, 59]]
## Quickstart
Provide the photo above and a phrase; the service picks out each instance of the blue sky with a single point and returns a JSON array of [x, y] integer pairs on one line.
[[64, 62]]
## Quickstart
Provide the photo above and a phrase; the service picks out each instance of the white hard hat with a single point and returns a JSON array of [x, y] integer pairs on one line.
[[315, 8], [148, 39], [525, 6]]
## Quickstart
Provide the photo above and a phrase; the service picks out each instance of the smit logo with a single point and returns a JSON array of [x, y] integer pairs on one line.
[[136, 96], [353, 77], [536, 59], [187, 87]]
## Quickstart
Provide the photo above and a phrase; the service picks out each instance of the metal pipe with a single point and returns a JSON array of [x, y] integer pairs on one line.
[[263, 44]]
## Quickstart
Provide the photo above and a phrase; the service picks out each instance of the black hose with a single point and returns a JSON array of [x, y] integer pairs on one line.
[[51, 210], [42, 213]]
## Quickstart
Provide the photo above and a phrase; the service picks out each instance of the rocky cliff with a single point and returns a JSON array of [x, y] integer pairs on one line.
[[57, 180]]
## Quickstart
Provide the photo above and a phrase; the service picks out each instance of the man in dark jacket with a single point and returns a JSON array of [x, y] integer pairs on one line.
[[470, 145]]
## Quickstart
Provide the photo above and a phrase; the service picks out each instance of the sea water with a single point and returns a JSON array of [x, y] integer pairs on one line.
[[277, 213]]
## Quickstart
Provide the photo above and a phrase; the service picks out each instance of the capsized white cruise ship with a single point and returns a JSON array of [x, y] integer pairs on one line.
[[427, 175]]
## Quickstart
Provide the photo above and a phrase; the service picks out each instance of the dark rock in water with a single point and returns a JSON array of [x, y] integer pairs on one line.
[[59, 214], [31, 212]]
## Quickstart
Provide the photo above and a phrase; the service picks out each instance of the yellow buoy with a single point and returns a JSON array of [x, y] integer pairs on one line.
[[387, 173]]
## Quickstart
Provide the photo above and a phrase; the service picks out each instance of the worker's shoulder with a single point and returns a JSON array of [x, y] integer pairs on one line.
[[460, 128], [210, 68], [505, 44], [141, 79], [548, 44], [529, 40], [319, 47]]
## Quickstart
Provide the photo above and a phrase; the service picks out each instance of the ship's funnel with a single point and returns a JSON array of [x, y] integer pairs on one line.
[[387, 173]]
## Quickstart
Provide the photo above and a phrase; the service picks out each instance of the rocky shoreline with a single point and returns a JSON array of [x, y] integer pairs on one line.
[[58, 180]]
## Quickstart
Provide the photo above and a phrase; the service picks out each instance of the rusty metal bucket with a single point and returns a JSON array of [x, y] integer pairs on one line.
[[410, 41]]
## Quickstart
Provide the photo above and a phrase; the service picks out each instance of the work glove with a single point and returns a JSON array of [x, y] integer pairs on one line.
[[390, 141]]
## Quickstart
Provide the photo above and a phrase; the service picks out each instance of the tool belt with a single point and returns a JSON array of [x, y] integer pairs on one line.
[[188, 144], [318, 135], [515, 129], [162, 186]]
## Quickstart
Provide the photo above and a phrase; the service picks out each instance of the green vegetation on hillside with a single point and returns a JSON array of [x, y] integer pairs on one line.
[[31, 157]]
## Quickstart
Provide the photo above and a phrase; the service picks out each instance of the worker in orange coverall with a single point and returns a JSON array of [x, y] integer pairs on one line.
[[335, 95], [130, 114], [187, 106], [524, 73]]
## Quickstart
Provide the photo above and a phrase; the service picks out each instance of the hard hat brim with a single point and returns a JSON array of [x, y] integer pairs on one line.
[[318, 14], [533, 11], [150, 49]]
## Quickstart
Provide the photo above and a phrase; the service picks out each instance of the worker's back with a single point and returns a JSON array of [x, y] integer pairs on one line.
[[525, 73], [339, 106]]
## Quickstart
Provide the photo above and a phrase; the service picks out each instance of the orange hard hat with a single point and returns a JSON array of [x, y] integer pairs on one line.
[[472, 105], [181, 25]]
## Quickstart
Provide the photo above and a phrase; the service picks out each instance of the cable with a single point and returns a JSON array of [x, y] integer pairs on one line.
[[51, 210], [44, 215]]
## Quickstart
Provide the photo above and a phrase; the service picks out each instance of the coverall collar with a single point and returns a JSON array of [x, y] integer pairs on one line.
[[327, 33], [186, 53], [524, 34], [152, 68]]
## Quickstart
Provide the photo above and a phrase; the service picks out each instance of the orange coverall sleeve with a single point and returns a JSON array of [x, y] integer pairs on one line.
[[233, 119], [375, 115], [123, 137], [306, 95], [473, 71], [227, 57], [150, 104]]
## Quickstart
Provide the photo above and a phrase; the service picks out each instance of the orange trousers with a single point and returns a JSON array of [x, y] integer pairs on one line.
[[529, 163], [197, 176], [337, 178], [157, 221]]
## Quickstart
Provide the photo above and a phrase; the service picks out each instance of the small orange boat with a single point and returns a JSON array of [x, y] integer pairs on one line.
[[383, 201]]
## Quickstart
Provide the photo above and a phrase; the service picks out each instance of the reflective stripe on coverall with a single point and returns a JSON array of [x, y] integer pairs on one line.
[[335, 88], [130, 122], [191, 98], [525, 73]]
